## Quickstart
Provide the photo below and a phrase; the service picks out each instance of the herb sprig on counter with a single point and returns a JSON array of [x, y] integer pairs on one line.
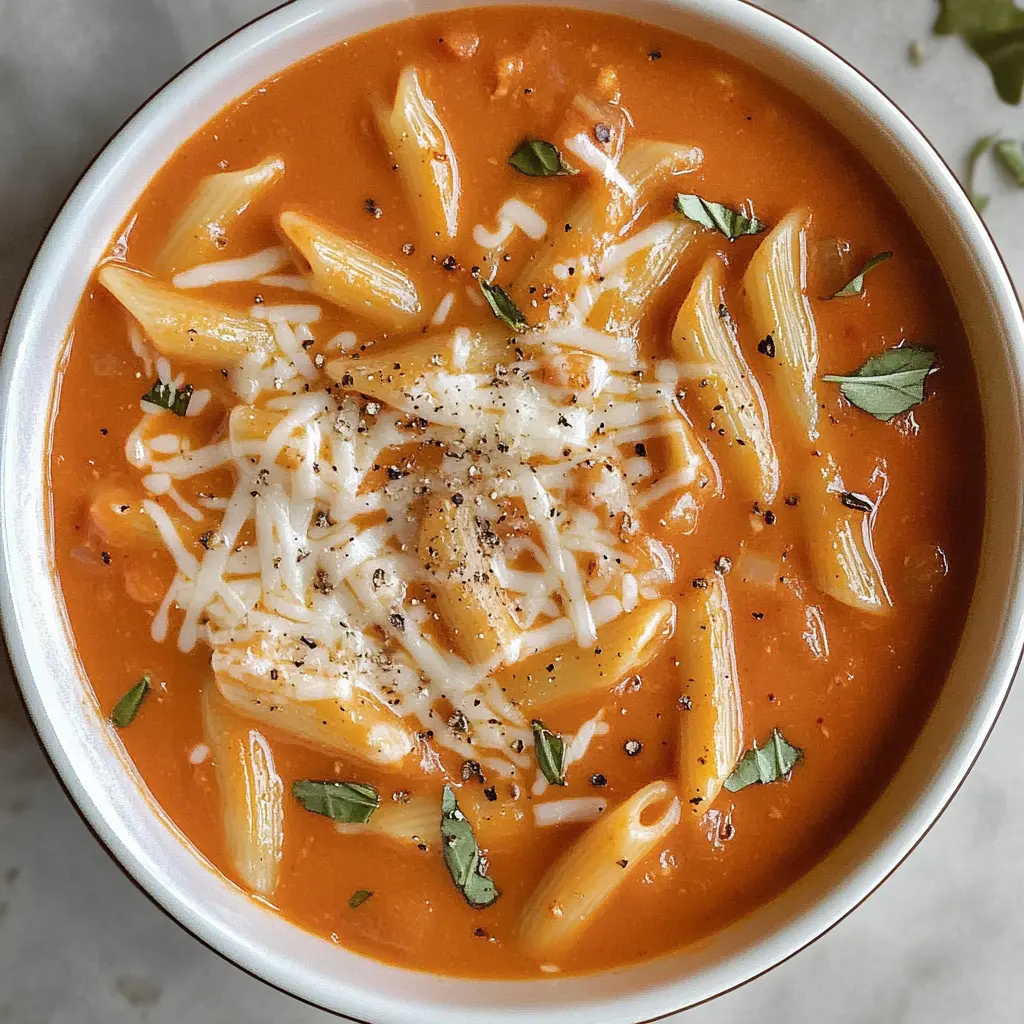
[[994, 30]]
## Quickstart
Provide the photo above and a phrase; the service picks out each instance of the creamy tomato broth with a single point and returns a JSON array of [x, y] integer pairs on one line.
[[507, 530]]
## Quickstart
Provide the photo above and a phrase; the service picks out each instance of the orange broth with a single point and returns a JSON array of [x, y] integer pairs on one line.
[[854, 713]]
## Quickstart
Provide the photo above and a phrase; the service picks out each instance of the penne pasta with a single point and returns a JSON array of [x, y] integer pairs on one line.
[[472, 604], [582, 881], [730, 397], [569, 672], [201, 232], [634, 270], [251, 794], [603, 215], [711, 739], [360, 726], [249, 425], [776, 286], [116, 514], [419, 144], [842, 550], [350, 276], [183, 327]]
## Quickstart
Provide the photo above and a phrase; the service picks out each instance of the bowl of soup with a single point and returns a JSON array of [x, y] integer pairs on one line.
[[513, 510]]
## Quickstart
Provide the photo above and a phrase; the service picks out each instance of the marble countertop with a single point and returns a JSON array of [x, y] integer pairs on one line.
[[941, 942]]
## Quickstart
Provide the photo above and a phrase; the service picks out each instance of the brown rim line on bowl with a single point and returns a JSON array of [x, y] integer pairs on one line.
[[104, 784]]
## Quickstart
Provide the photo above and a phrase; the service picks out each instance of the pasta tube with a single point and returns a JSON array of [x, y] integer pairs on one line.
[[634, 270], [842, 551], [711, 740], [579, 884], [570, 672], [776, 286], [251, 795], [116, 514], [604, 214], [249, 425], [350, 276], [731, 397], [358, 725], [201, 231], [471, 602], [181, 326], [417, 140]]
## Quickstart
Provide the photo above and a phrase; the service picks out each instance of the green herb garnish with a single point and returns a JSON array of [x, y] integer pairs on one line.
[[462, 855], [551, 753], [888, 384], [128, 706], [359, 897], [716, 217], [1010, 154], [856, 285], [350, 802], [503, 307], [770, 763], [977, 151], [168, 397], [994, 29], [539, 159]]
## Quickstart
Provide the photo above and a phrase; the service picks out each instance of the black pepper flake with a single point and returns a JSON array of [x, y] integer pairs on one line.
[[457, 499], [632, 747], [347, 380], [397, 621], [568, 228], [602, 133], [274, 674], [408, 249], [641, 449], [597, 779], [491, 793], [311, 644], [394, 473], [685, 703], [471, 770], [480, 933], [654, 55], [696, 800], [449, 263], [792, 500], [723, 565], [103, 431], [371, 207], [700, 583], [858, 502], [105, 555], [623, 863], [758, 615], [766, 346], [769, 518]]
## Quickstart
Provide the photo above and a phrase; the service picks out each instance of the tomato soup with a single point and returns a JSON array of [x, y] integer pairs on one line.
[[516, 490]]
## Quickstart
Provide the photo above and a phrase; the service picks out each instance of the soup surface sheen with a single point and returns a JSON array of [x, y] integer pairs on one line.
[[408, 529]]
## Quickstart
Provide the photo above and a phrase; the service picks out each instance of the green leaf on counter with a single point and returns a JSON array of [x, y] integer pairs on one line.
[[1010, 154], [551, 753], [888, 384], [770, 763], [128, 706], [716, 217], [856, 285], [503, 307], [539, 159], [977, 151], [462, 854], [994, 29], [350, 802]]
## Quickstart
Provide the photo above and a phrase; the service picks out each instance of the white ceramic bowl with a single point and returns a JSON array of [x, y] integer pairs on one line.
[[110, 793]]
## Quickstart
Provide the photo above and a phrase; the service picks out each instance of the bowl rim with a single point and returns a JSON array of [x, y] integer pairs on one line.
[[254, 32]]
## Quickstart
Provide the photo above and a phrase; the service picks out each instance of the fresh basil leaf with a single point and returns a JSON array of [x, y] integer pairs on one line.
[[888, 384], [462, 855], [359, 897], [168, 397], [716, 217], [551, 753], [994, 29], [856, 285], [770, 763], [503, 307], [977, 151], [1010, 153], [539, 159], [128, 706], [350, 802]]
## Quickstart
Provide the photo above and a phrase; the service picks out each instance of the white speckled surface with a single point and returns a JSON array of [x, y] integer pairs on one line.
[[941, 942]]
